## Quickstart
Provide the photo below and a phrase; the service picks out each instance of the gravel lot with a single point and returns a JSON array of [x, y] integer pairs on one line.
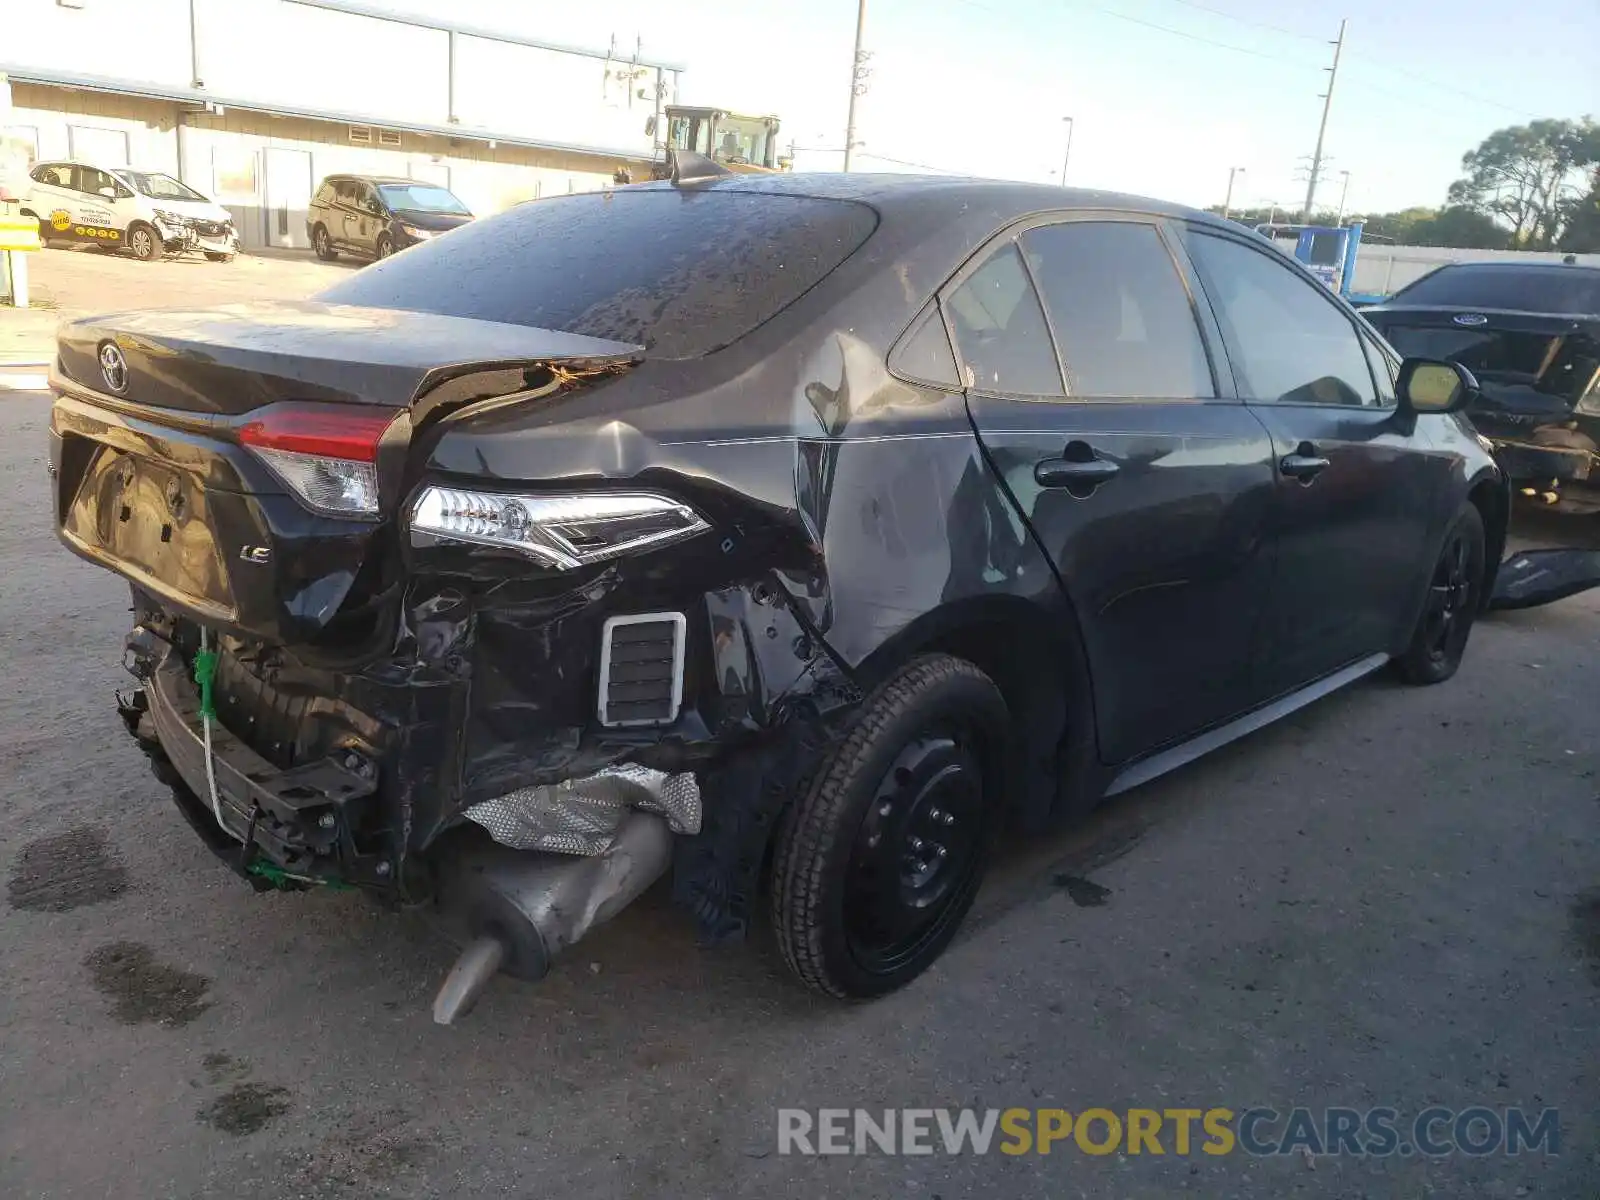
[[78, 280], [1391, 899]]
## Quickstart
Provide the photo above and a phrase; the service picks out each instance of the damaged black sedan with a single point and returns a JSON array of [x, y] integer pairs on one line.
[[1530, 334], [788, 535]]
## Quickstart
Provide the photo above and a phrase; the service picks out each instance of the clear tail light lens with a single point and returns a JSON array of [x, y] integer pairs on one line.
[[325, 454], [559, 531]]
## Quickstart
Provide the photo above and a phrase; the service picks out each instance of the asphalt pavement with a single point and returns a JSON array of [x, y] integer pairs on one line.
[[1392, 899]]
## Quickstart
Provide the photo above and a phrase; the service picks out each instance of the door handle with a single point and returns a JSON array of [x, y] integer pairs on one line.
[[1305, 464], [1077, 470]]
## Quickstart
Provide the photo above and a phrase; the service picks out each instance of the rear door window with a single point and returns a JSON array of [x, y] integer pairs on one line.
[[97, 183], [683, 273], [55, 175], [1000, 330], [1120, 311], [1288, 340], [924, 353]]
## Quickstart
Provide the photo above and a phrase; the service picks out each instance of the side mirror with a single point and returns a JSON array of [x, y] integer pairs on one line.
[[1429, 386], [110, 193]]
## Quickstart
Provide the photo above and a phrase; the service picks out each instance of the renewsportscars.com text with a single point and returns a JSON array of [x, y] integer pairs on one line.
[[1374, 1132]]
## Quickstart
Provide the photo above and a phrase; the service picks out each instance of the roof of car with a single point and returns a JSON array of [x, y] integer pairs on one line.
[[887, 191], [1501, 264], [82, 162], [374, 179]]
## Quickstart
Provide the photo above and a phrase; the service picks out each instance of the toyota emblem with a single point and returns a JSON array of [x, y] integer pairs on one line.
[[113, 367]]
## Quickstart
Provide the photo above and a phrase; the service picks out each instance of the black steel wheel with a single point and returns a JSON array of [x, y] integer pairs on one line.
[[879, 859], [1455, 593]]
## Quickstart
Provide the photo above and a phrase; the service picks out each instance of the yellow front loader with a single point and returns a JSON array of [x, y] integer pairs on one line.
[[743, 145]]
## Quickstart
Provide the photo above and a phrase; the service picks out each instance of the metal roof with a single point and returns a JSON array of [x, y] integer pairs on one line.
[[203, 97], [477, 31]]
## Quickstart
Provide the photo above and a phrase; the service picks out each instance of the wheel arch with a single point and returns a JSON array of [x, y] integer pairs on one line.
[[1490, 494], [1034, 654]]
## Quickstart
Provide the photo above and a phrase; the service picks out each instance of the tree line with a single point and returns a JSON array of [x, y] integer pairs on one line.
[[1526, 187]]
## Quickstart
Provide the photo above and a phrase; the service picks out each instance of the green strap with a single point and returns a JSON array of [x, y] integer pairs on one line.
[[280, 878], [205, 670]]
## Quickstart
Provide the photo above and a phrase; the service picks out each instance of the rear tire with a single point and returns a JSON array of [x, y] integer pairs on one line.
[[1455, 592], [879, 858], [323, 244], [145, 242]]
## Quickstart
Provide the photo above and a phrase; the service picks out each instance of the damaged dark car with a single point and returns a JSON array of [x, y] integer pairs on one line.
[[785, 537], [1530, 333]]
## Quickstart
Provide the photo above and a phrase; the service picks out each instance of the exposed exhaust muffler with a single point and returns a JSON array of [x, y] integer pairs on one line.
[[521, 908]]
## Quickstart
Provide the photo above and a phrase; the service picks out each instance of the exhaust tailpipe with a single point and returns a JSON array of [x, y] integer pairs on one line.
[[521, 908]]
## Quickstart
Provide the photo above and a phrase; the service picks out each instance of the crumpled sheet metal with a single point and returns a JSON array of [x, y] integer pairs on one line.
[[582, 816]]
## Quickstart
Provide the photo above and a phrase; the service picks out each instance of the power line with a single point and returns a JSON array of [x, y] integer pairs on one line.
[[1445, 87], [1210, 41], [1401, 71], [1310, 37], [1193, 37], [900, 162]]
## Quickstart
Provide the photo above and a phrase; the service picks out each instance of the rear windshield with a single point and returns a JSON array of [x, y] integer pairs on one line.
[[1553, 289], [681, 272]]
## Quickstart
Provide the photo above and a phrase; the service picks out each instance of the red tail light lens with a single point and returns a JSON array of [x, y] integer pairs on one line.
[[328, 430], [326, 454]]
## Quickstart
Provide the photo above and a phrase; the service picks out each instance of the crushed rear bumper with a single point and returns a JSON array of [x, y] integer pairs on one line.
[[298, 819]]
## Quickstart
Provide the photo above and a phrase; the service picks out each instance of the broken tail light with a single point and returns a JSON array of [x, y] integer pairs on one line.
[[559, 531], [326, 454]]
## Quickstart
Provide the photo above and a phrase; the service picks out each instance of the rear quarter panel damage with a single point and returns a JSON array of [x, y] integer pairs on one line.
[[855, 524]]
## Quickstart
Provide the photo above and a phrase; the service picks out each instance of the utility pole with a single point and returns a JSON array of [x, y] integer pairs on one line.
[[1344, 192], [1227, 201], [1322, 128], [857, 83], [1067, 157]]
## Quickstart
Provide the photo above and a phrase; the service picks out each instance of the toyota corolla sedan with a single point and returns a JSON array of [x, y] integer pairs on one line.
[[789, 537]]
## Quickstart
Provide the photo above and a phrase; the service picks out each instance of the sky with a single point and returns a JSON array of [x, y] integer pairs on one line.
[[1165, 96]]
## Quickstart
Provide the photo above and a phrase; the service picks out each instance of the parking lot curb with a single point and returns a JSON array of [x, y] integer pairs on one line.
[[33, 376]]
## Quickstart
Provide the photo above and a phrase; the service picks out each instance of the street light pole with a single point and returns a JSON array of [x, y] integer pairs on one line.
[[1344, 192], [1067, 157], [1227, 201], [855, 84]]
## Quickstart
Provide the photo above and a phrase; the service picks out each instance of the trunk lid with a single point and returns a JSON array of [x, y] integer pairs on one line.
[[171, 432], [237, 357], [1532, 367]]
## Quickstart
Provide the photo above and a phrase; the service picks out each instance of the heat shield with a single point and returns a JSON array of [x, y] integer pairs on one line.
[[582, 816]]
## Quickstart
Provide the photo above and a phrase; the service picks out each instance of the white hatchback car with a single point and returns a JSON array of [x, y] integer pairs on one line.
[[148, 212]]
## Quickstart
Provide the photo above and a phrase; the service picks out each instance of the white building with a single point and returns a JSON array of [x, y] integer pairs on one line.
[[254, 101]]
